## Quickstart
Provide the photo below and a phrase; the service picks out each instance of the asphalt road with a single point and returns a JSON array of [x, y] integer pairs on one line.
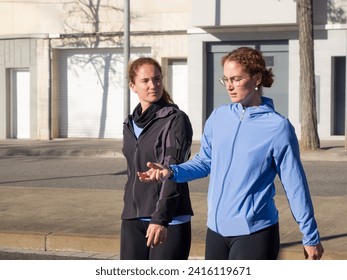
[[325, 178], [32, 255]]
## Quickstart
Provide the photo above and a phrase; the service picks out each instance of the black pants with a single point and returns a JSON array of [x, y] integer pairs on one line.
[[133, 242], [260, 245]]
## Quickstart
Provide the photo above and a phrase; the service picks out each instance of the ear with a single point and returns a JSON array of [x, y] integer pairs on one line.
[[258, 78], [133, 87]]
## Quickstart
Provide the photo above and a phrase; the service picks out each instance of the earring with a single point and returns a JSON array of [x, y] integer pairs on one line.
[[256, 88]]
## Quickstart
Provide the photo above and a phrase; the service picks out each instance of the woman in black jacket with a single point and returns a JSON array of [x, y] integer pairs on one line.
[[156, 216]]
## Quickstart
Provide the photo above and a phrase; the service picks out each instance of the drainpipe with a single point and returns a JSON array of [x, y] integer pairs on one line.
[[50, 90], [50, 37], [126, 57]]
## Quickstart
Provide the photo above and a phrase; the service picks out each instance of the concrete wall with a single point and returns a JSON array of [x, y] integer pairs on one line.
[[31, 54], [31, 30], [75, 16], [330, 40], [334, 45], [247, 12]]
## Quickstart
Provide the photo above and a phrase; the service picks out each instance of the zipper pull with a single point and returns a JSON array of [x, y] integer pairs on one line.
[[242, 114]]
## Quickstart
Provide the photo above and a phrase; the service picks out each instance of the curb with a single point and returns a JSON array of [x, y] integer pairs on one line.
[[102, 247], [324, 156], [59, 242], [61, 153]]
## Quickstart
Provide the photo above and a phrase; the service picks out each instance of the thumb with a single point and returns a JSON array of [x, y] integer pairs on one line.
[[155, 165]]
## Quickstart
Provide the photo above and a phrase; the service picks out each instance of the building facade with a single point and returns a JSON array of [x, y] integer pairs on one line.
[[62, 66]]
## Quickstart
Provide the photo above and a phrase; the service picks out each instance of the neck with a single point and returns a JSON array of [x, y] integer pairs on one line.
[[254, 102]]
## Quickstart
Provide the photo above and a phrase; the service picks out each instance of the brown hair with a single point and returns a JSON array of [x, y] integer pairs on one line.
[[134, 66], [252, 62]]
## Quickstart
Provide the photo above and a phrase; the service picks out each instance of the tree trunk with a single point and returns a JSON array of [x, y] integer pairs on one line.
[[309, 134]]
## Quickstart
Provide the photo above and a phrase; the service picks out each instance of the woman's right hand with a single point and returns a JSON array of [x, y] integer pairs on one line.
[[156, 173]]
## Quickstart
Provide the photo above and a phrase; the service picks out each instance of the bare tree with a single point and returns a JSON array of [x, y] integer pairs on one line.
[[309, 134], [88, 11]]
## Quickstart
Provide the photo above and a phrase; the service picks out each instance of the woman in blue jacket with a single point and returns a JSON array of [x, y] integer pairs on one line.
[[244, 146]]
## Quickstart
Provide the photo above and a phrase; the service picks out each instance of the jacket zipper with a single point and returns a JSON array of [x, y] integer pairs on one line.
[[135, 165], [135, 162], [232, 155], [134, 181]]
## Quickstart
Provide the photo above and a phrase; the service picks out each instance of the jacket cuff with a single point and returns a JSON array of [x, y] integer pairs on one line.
[[172, 173], [162, 223]]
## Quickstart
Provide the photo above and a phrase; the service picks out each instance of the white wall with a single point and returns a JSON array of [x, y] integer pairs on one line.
[[324, 49], [245, 12], [58, 17]]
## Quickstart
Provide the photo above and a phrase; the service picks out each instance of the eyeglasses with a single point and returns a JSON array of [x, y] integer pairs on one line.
[[235, 81]]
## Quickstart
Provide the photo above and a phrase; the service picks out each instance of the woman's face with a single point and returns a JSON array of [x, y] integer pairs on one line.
[[240, 85], [148, 85]]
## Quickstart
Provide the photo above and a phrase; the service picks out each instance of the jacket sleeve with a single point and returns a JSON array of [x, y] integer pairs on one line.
[[293, 178], [200, 165], [175, 149]]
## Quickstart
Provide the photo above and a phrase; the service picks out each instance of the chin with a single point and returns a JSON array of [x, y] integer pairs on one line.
[[154, 98]]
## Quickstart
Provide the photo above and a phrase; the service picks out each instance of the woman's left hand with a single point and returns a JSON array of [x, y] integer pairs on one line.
[[314, 252], [156, 234]]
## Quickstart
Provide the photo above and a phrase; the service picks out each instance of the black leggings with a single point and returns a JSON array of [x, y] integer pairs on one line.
[[133, 242], [260, 245]]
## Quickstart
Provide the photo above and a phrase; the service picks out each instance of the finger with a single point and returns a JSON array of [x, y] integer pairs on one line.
[[149, 237], [161, 234], [164, 235], [142, 175], [155, 165], [156, 238], [153, 176], [158, 176], [152, 165], [314, 257]]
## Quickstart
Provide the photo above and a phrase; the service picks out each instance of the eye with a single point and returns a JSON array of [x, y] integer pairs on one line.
[[144, 81]]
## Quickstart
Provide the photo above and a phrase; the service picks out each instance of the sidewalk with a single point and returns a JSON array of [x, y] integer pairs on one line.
[[333, 150], [75, 221]]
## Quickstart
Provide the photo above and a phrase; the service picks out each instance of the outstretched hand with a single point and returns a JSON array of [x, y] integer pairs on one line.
[[156, 173]]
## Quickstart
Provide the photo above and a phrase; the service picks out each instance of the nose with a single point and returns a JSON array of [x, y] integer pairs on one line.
[[152, 83], [229, 84]]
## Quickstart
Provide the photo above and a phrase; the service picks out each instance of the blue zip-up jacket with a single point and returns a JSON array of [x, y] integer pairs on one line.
[[243, 149]]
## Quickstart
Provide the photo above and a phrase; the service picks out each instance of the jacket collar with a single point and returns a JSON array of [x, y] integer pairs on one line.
[[267, 106], [162, 113]]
